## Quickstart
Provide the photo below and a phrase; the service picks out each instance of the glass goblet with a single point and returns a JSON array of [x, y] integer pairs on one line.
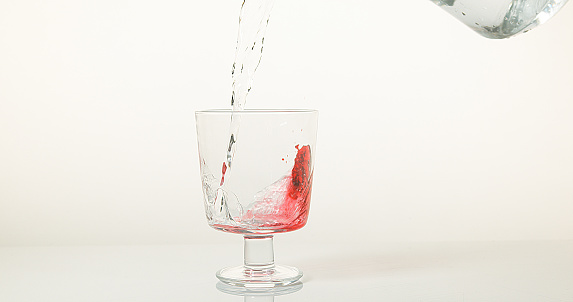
[[256, 172]]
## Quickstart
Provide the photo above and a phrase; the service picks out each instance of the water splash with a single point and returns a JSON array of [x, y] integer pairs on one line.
[[253, 23]]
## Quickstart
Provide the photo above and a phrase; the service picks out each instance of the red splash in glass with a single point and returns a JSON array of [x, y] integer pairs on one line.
[[284, 205]]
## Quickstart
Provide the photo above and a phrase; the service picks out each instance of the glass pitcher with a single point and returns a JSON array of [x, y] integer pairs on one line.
[[499, 19]]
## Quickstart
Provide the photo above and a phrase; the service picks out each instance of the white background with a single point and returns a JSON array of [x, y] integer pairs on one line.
[[428, 132]]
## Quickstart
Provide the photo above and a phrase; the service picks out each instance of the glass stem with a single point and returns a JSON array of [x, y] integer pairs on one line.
[[259, 254]]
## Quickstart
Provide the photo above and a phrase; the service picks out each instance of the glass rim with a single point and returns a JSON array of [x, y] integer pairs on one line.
[[255, 111]]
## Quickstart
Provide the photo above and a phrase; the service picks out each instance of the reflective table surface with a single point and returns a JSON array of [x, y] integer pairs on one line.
[[420, 272]]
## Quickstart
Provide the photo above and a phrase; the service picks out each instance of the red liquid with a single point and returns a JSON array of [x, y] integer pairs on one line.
[[300, 173], [223, 171], [284, 206]]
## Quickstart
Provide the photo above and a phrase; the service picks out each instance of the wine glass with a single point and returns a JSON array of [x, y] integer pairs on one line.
[[256, 172]]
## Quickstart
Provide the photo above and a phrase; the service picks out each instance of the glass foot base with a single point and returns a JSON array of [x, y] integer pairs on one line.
[[278, 275], [253, 292]]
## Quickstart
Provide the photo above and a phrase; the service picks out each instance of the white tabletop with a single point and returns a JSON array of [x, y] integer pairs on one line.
[[421, 272]]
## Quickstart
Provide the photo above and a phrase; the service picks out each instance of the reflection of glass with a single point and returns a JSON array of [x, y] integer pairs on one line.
[[259, 294], [265, 190], [498, 19]]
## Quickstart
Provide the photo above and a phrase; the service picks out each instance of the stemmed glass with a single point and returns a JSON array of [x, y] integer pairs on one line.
[[256, 172]]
